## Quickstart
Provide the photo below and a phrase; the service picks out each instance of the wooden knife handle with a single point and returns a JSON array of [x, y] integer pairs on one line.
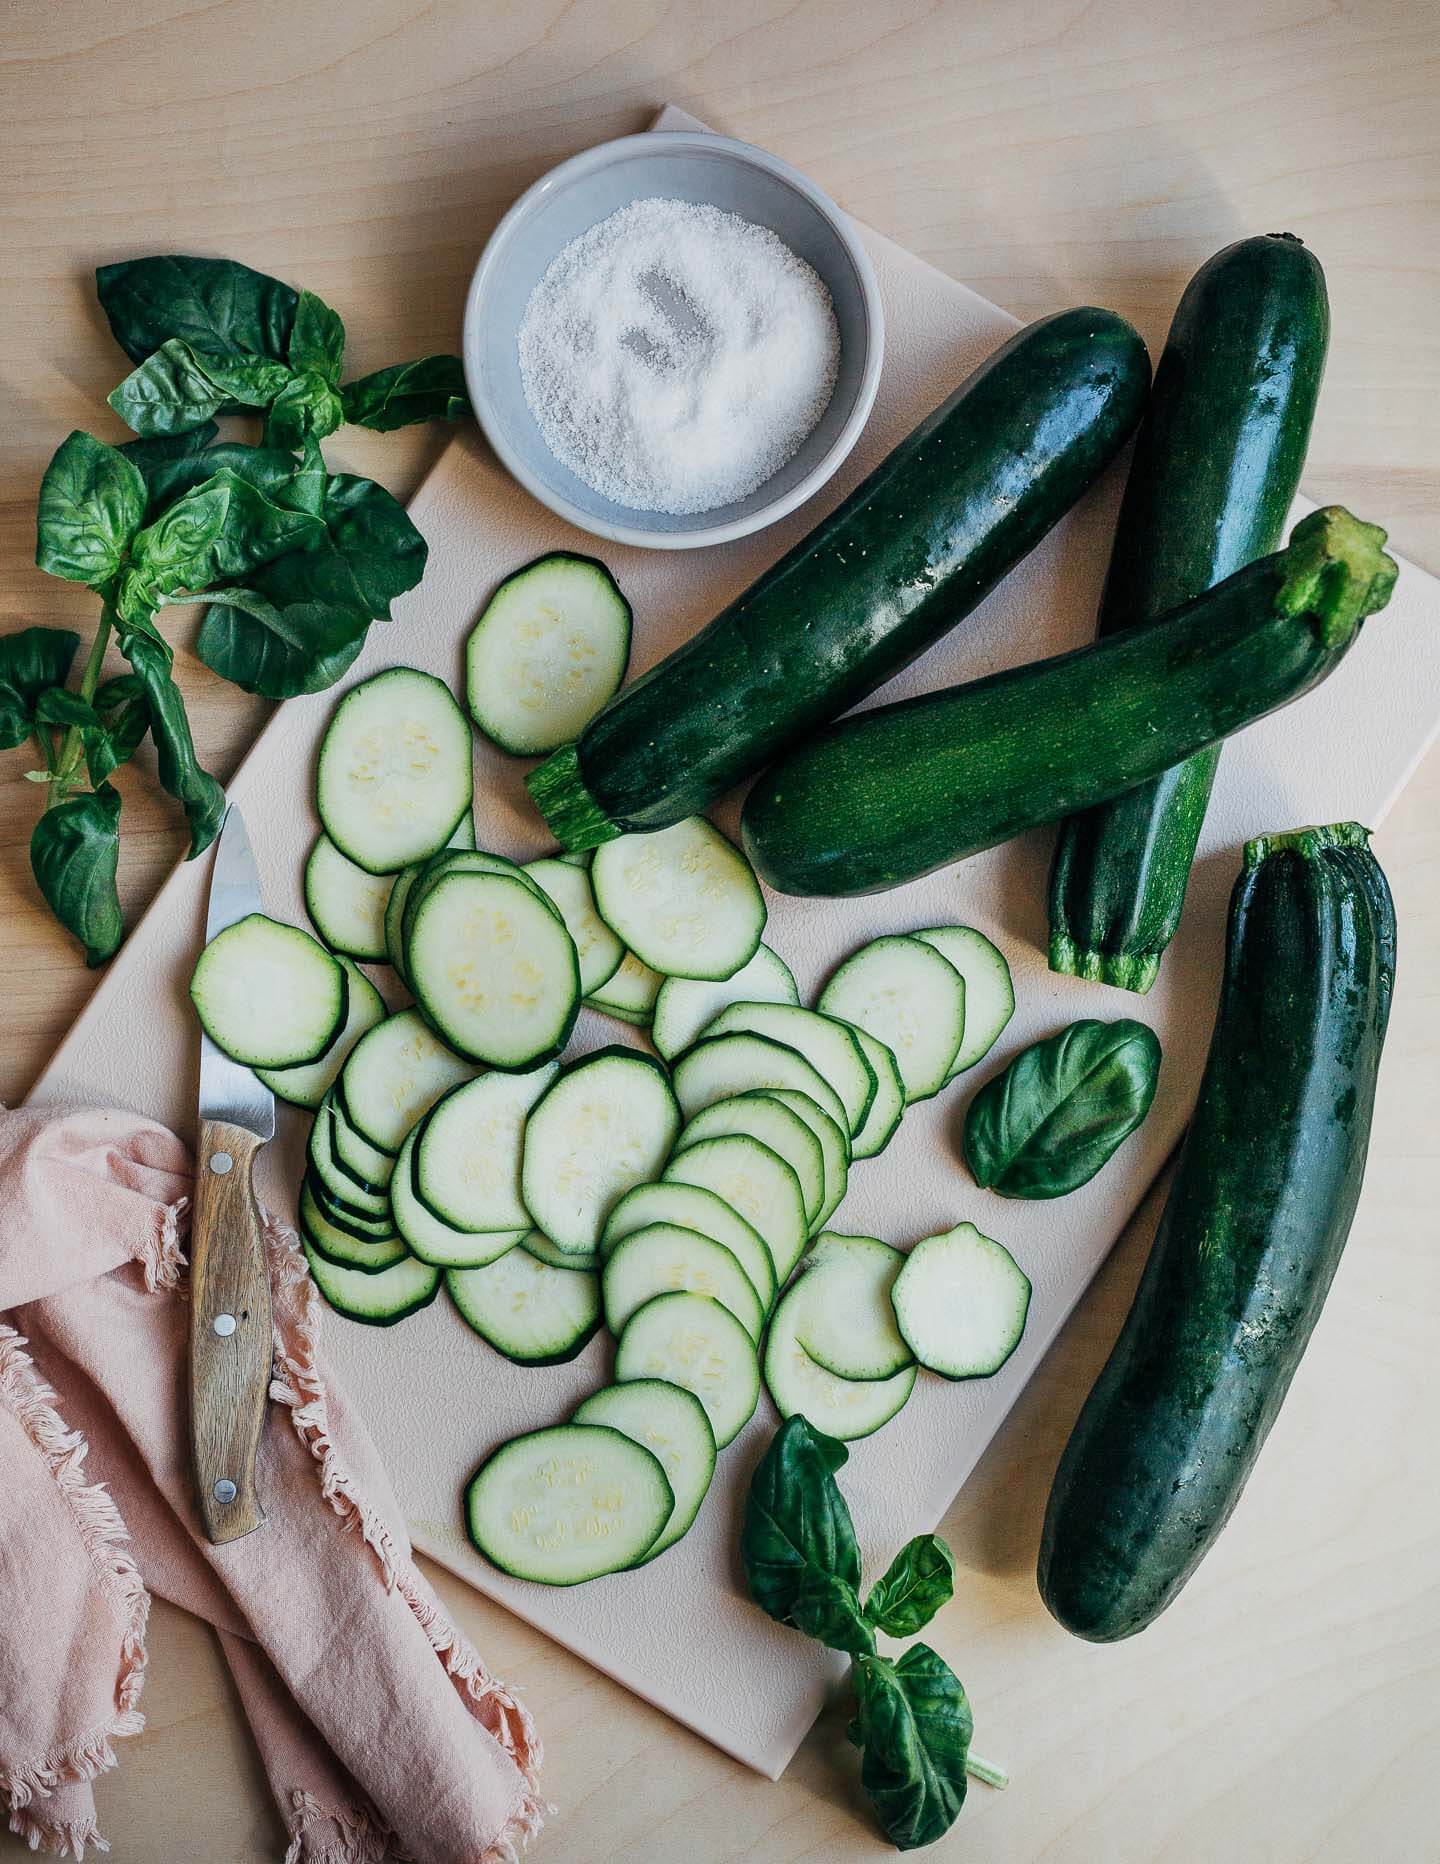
[[231, 1348]]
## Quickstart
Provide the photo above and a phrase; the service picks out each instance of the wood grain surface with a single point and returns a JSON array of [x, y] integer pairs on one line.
[[1047, 152]]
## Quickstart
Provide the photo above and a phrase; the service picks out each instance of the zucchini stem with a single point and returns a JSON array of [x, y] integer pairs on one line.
[[986, 1771], [1336, 572]]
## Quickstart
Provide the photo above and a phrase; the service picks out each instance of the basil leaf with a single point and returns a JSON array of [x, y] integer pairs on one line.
[[222, 529], [796, 1521], [74, 853], [295, 628], [268, 469], [157, 456], [213, 304], [179, 387], [64, 709], [432, 389], [124, 716], [913, 1728], [1049, 1121], [306, 407], [308, 484], [317, 339], [180, 772], [31, 661], [377, 538], [921, 1579], [92, 502], [827, 1608]]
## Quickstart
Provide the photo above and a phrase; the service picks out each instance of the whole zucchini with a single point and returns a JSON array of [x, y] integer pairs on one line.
[[911, 551], [891, 794], [1217, 463], [1251, 1235]]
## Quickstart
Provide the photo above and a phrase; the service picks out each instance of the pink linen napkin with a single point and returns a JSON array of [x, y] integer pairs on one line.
[[382, 1733]]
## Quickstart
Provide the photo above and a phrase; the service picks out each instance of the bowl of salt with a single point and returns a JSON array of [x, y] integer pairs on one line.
[[673, 339]]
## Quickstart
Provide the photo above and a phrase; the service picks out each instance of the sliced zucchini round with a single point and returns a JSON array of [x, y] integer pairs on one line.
[[549, 650], [961, 1301], [378, 1300], [671, 1424], [467, 1161], [842, 1408], [989, 988], [345, 1187], [663, 1258], [685, 1004], [309, 1083], [909, 998], [607, 1122], [834, 1145], [538, 1244], [757, 1182], [395, 1073], [353, 1152], [568, 888], [367, 1255], [692, 1208], [533, 1314], [691, 1341], [684, 900], [567, 1504], [494, 969], [717, 1067], [345, 903], [888, 1107], [629, 994], [830, 1048], [394, 777], [760, 1117], [268, 994], [428, 1237], [363, 1225], [846, 1322]]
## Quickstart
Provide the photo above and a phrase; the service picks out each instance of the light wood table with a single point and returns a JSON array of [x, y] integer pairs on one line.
[[1047, 153]]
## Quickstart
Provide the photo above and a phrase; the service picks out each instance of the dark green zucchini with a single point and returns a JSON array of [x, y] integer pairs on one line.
[[890, 794], [1251, 1235], [1217, 464], [910, 553]]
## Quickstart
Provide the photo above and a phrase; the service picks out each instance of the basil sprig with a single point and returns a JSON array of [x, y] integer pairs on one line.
[[802, 1566], [292, 562]]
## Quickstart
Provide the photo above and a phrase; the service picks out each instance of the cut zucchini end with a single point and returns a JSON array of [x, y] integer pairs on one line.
[[1336, 571], [1306, 841], [571, 813], [1125, 970]]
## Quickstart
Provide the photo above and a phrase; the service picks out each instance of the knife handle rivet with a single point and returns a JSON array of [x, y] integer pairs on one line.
[[220, 1163], [225, 1490], [224, 1325]]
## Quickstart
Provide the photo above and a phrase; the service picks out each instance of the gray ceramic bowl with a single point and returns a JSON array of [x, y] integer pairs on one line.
[[688, 166]]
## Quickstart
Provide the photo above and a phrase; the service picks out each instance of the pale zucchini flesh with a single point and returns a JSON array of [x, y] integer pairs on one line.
[[353, 1151], [888, 1107], [757, 1182], [366, 1256], [467, 1161], [671, 1424], [367, 1199], [691, 1341], [775, 1125], [684, 900], [961, 1302], [427, 1236], [665, 1259], [842, 1408], [909, 998], [693, 1208], [686, 1004], [717, 1067], [307, 1084], [534, 1314], [597, 949], [989, 988], [829, 1046], [345, 903], [629, 994], [378, 1300], [847, 1322], [268, 994], [834, 1148], [395, 1073]]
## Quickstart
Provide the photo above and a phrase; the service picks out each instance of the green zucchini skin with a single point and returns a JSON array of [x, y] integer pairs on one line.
[[1251, 1235], [896, 792], [1217, 464], [911, 551]]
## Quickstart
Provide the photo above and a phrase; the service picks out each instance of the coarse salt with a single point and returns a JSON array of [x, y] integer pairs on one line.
[[675, 356]]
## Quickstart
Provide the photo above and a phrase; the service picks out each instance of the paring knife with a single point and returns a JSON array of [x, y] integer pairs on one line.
[[230, 1339]]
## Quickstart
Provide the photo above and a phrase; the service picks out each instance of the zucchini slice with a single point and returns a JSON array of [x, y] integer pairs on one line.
[[842, 1408], [528, 1311], [344, 1186], [685, 1005], [960, 1303], [568, 889], [692, 1341], [690, 1207], [685, 900], [671, 1424], [989, 988], [464, 839], [493, 968], [536, 1243], [353, 1152], [550, 648], [396, 1073], [629, 994], [829, 1046], [309, 1083], [268, 995], [380, 1299], [394, 778], [847, 1322], [888, 1107], [366, 1255], [606, 1123], [467, 1160], [430, 1238], [757, 1182], [716, 1067], [345, 903], [759, 1117], [834, 1148], [363, 1225], [909, 998], [661, 1259], [567, 1504]]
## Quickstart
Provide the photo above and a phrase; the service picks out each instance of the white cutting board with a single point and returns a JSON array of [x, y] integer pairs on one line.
[[436, 1398]]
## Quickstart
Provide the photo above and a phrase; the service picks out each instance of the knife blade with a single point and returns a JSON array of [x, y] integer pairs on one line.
[[230, 1337]]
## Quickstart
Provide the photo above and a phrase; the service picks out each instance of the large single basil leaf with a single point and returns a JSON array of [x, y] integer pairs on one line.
[[295, 627], [92, 502], [376, 536], [268, 469], [913, 1728], [317, 338], [180, 771], [796, 1522], [31, 662], [432, 389], [220, 530], [306, 408], [214, 304], [921, 1579], [74, 853], [180, 387], [124, 715], [827, 1608], [1049, 1121], [163, 453]]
